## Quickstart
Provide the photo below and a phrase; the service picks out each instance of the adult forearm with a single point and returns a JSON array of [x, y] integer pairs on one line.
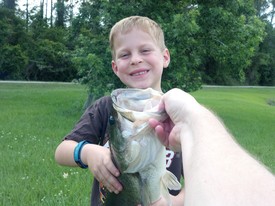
[[217, 170]]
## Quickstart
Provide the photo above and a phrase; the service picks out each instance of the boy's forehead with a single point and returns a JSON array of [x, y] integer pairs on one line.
[[136, 28], [141, 33]]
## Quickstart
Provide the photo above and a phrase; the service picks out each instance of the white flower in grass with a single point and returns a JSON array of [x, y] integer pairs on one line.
[[65, 175], [43, 198]]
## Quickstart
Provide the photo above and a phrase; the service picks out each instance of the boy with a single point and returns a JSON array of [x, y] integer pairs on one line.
[[139, 55]]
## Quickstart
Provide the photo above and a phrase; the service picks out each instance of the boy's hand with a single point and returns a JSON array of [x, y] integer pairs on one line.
[[98, 159]]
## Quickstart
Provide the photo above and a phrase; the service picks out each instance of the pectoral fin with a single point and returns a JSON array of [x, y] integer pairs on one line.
[[132, 155], [135, 150], [171, 181]]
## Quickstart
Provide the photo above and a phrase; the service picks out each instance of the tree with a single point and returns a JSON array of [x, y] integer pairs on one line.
[[185, 51], [262, 69], [50, 62], [11, 61], [230, 33], [10, 4], [60, 11], [217, 42], [12, 56]]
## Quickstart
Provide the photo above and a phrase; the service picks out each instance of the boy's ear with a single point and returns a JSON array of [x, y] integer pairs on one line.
[[114, 67], [166, 58]]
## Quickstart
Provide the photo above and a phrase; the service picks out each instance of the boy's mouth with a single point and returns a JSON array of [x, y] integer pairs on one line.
[[139, 73]]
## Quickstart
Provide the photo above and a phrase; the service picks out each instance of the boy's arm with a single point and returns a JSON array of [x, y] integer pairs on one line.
[[97, 158], [64, 153]]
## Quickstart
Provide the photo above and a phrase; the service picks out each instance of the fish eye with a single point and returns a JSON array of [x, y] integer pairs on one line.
[[112, 120]]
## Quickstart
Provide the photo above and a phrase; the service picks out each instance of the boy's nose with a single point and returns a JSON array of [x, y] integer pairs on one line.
[[135, 59]]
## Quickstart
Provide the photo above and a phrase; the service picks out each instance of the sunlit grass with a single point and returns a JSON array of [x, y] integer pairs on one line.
[[35, 117]]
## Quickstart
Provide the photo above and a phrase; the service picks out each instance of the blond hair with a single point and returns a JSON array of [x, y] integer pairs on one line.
[[144, 23]]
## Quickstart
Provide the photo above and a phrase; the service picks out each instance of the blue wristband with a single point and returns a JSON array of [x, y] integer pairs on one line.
[[77, 152]]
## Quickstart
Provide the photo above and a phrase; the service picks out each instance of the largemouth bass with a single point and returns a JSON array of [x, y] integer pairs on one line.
[[136, 151]]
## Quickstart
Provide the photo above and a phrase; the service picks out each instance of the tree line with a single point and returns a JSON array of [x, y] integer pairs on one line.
[[211, 42]]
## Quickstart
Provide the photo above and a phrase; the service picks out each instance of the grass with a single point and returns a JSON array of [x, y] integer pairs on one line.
[[248, 115], [35, 117]]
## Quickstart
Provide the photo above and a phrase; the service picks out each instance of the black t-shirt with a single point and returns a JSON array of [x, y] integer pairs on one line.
[[92, 127]]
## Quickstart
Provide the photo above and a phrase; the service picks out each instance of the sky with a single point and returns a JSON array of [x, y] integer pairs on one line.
[[33, 3]]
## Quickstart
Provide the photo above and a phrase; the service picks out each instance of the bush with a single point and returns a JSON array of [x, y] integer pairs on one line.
[[12, 61]]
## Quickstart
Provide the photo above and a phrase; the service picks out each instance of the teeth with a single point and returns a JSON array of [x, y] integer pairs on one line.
[[139, 73]]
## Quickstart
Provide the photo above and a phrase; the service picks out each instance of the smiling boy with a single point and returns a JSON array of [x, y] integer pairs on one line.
[[139, 56]]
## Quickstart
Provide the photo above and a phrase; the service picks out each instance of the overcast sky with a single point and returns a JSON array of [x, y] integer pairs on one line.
[[33, 3], [47, 3]]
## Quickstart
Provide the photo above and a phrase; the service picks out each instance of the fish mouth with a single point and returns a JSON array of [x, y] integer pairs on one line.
[[137, 104], [139, 73]]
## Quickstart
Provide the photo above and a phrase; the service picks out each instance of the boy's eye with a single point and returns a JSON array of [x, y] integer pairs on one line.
[[145, 50], [123, 55]]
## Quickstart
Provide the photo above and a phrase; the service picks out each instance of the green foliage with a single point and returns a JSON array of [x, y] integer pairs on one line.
[[185, 52], [87, 57], [12, 59], [9, 4], [38, 26], [262, 70], [12, 28], [230, 34], [60, 13], [90, 68], [12, 55], [50, 62]]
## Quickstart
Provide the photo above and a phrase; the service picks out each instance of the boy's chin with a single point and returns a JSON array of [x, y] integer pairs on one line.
[[137, 86], [142, 86]]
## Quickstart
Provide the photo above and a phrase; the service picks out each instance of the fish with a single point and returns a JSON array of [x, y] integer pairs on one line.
[[135, 149]]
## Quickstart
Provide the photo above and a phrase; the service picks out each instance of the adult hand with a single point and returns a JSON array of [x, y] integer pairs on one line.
[[179, 106]]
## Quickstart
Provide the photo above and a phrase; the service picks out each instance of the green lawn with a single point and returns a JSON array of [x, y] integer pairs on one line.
[[35, 117], [249, 114]]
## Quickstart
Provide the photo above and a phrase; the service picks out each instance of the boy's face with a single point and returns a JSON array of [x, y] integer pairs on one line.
[[138, 60]]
